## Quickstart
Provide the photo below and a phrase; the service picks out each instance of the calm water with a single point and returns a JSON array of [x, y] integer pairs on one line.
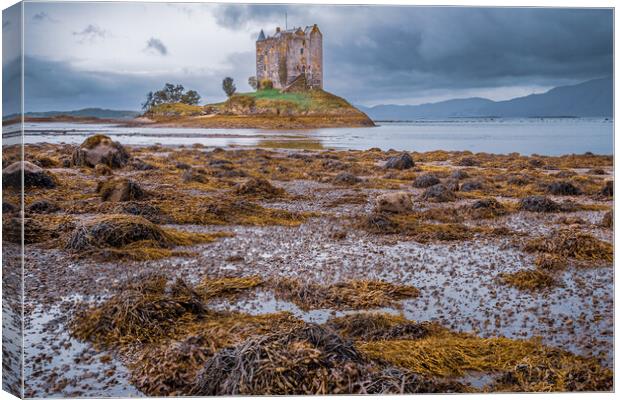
[[553, 136]]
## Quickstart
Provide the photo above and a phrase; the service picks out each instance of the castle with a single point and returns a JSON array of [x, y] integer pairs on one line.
[[291, 58]]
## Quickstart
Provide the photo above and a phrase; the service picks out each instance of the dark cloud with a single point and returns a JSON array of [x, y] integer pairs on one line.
[[58, 86], [11, 59], [91, 33], [157, 46], [240, 15], [371, 53], [42, 16], [374, 52], [11, 87]]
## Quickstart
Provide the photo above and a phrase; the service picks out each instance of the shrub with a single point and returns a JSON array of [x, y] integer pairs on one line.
[[265, 84]]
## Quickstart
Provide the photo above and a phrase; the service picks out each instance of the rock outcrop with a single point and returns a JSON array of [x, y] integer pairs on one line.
[[402, 161], [34, 176], [399, 202], [100, 149], [120, 189]]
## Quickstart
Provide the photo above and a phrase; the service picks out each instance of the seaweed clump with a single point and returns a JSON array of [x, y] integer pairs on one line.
[[550, 262], [259, 187], [563, 189], [467, 162], [411, 226], [346, 178], [448, 354], [362, 294], [43, 207], [425, 181], [438, 193], [126, 236], [538, 204], [169, 367], [568, 243], [564, 373], [142, 209], [380, 326], [227, 286], [226, 211], [608, 189], [146, 309], [33, 230], [487, 208], [472, 185], [535, 279], [306, 360], [608, 220]]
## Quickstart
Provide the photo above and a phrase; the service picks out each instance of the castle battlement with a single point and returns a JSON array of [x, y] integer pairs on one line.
[[287, 54]]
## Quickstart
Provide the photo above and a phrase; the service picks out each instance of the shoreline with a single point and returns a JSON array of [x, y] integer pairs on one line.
[[269, 122]]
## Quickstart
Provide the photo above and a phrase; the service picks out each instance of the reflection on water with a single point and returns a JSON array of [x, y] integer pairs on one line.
[[301, 144], [552, 136]]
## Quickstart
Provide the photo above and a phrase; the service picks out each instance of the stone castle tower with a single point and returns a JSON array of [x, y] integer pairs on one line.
[[291, 57]]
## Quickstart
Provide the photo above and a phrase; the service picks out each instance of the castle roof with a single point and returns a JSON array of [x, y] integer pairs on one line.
[[280, 32]]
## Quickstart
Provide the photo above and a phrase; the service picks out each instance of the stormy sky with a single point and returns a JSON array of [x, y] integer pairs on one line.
[[110, 54]]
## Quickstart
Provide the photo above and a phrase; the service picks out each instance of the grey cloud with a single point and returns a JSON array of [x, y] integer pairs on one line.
[[42, 16], [374, 53], [57, 85], [91, 33], [240, 15], [371, 52], [156, 45]]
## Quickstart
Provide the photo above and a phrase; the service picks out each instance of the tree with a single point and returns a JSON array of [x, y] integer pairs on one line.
[[170, 94], [174, 93], [252, 82], [191, 97], [149, 101], [228, 86]]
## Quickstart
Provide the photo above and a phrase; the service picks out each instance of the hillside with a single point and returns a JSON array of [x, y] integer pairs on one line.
[[267, 109], [588, 99]]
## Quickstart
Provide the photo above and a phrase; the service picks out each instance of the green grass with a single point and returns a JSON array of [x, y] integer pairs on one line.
[[301, 99], [314, 101]]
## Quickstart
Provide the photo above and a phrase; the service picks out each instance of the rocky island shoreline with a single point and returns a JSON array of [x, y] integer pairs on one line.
[[263, 109], [162, 270]]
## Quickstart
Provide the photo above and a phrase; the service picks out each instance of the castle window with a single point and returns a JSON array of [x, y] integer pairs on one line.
[[301, 51]]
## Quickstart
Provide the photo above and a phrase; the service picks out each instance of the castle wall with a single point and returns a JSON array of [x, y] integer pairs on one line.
[[267, 61], [284, 57], [294, 57], [315, 78]]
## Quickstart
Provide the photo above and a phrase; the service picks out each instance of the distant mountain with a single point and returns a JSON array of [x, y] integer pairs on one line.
[[588, 99], [86, 112]]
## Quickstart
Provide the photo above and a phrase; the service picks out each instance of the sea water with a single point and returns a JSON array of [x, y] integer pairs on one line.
[[545, 136]]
